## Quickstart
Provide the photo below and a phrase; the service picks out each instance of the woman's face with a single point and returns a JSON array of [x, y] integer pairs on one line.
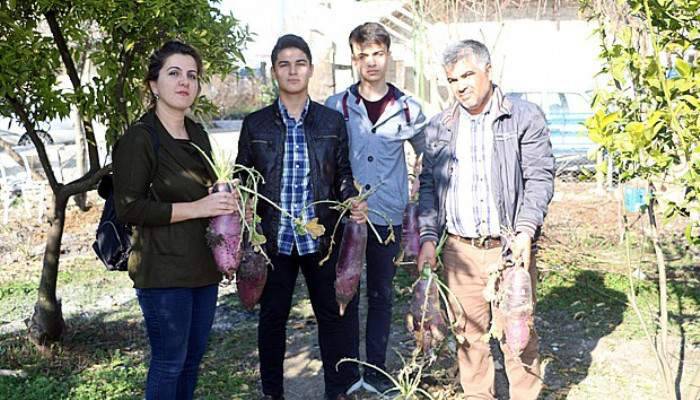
[[178, 83]]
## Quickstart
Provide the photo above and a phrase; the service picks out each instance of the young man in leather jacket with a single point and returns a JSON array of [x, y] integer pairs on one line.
[[301, 149]]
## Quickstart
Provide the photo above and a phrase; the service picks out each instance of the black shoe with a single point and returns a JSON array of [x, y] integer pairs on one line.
[[376, 382]]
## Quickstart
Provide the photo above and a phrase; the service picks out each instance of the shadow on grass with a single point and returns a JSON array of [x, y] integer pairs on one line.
[[97, 358], [105, 356], [574, 314]]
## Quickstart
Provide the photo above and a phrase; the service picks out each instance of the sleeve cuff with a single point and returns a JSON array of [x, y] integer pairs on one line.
[[428, 237], [527, 228]]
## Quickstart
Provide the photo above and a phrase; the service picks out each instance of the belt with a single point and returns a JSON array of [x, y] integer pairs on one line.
[[486, 242]]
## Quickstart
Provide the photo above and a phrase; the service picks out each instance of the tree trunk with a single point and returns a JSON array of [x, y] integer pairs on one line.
[[662, 339], [47, 322], [80, 198]]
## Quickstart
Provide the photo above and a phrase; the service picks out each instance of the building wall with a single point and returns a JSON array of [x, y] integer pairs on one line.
[[527, 54]]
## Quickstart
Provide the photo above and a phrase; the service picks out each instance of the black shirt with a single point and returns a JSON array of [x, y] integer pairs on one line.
[[376, 108]]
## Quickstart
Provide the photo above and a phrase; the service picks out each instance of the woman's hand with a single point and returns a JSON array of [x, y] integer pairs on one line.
[[212, 205], [215, 204]]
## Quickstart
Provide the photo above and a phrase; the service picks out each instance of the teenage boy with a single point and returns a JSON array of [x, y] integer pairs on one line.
[[301, 149], [380, 118]]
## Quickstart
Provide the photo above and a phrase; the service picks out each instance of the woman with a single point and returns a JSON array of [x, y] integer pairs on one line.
[[161, 189]]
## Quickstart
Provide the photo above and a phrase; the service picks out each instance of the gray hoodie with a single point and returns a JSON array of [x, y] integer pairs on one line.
[[377, 150]]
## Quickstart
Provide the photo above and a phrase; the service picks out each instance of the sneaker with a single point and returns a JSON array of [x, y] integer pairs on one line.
[[357, 385], [376, 382]]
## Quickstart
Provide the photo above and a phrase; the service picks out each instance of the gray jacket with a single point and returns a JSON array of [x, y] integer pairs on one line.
[[522, 169], [377, 151]]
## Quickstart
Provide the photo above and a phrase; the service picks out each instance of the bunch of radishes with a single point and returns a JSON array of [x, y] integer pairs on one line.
[[239, 259]]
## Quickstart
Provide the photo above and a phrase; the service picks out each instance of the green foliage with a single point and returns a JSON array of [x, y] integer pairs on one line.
[[117, 36], [30, 64], [648, 117]]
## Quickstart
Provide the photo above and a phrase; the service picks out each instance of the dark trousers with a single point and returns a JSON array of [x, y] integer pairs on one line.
[[178, 322], [380, 293], [335, 333]]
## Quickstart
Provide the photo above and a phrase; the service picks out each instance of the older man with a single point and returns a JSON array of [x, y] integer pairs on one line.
[[488, 166]]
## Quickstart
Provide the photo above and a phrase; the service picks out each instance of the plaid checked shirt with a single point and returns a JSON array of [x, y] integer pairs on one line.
[[296, 188]]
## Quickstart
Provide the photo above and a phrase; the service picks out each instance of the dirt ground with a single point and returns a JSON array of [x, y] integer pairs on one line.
[[590, 348]]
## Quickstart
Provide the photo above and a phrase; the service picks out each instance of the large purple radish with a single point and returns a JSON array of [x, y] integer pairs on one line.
[[410, 236], [251, 277], [517, 308], [224, 237], [425, 319], [351, 259]]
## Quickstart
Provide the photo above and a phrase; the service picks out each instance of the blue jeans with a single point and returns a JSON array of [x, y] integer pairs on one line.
[[178, 322]]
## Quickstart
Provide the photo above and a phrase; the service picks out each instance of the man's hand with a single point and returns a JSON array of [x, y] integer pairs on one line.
[[522, 249], [427, 254], [358, 212]]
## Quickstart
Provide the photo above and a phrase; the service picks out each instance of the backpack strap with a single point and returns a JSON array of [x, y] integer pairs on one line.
[[406, 112], [155, 141], [346, 115]]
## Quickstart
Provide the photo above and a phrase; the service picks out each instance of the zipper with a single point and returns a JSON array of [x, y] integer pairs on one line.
[[314, 171], [450, 168]]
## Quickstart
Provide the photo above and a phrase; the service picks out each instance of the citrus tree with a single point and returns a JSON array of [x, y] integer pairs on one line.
[[648, 116], [41, 40]]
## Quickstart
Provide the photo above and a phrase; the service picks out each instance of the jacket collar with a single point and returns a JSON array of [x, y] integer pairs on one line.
[[355, 91], [168, 144], [284, 113], [309, 113], [394, 106]]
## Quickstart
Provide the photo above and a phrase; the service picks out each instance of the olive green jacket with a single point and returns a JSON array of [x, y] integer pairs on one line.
[[163, 254]]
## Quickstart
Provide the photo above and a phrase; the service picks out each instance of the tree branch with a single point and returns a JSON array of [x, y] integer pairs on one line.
[[7, 146], [77, 86], [86, 182], [38, 144]]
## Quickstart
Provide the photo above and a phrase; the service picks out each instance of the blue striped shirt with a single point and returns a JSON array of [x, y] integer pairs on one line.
[[471, 206], [296, 190]]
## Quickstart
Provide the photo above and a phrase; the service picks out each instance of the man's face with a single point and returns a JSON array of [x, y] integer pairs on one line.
[[292, 71], [371, 61], [470, 83]]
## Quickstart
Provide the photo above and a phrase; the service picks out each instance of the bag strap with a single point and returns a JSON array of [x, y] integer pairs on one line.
[[406, 112], [346, 115], [155, 141]]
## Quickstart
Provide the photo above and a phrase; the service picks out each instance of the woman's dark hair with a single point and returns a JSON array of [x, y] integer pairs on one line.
[[157, 60], [290, 41]]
